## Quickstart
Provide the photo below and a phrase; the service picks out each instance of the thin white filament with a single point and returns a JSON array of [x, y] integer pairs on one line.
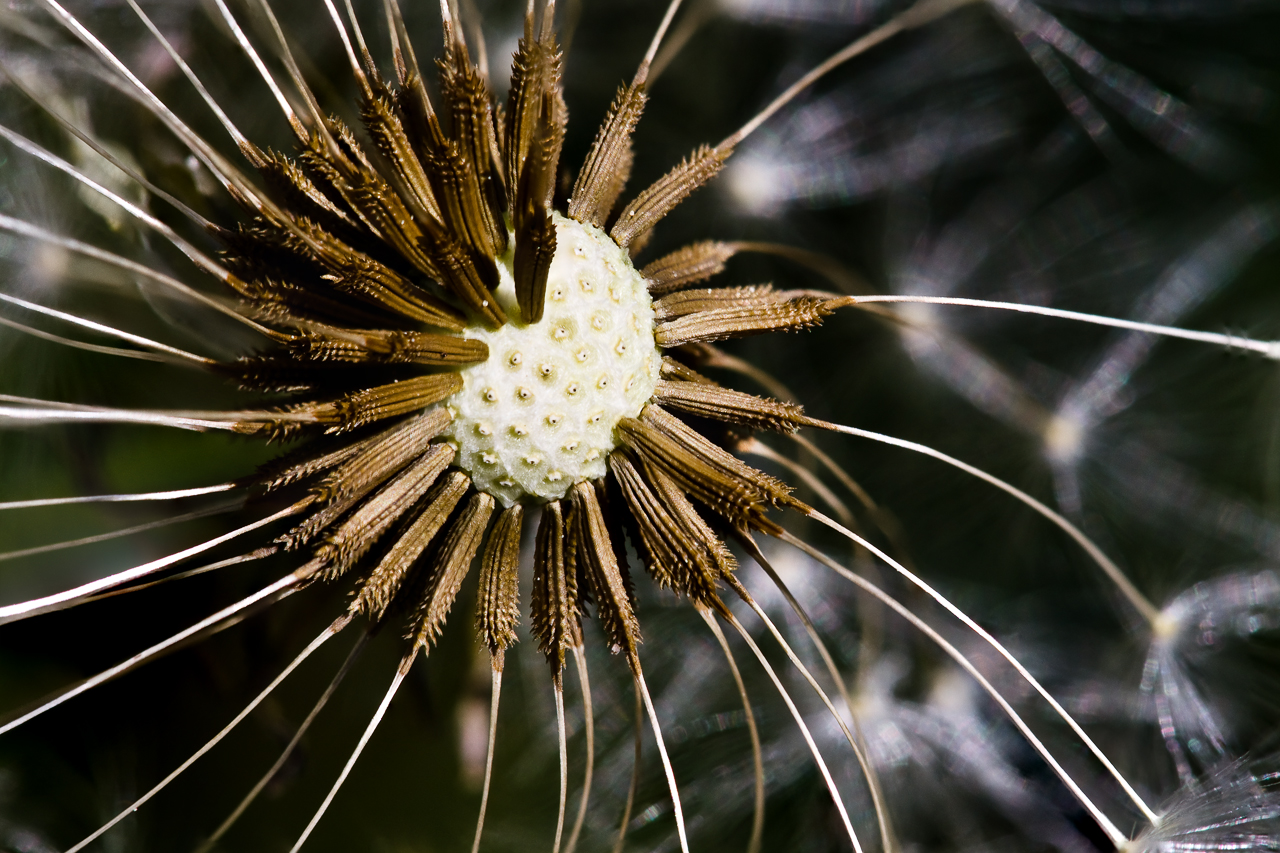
[[918, 15], [757, 756], [216, 163], [863, 763], [57, 601], [116, 534], [642, 72], [217, 110], [106, 330], [289, 748], [1270, 349], [635, 769], [351, 54], [495, 693], [104, 152], [87, 347], [1145, 608], [401, 672], [319, 641], [1003, 652], [34, 232], [755, 447], [666, 762], [1115, 835], [858, 742], [199, 258], [243, 41], [198, 421], [121, 498], [564, 765], [178, 576], [588, 716], [285, 585], [295, 73], [804, 729]]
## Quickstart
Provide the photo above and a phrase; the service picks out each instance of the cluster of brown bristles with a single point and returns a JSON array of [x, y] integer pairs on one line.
[[371, 264]]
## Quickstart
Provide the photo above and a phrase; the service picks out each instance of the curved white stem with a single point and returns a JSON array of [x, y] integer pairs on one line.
[[1113, 833]]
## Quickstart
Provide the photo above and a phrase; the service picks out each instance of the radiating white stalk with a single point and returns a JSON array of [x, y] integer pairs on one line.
[[804, 730], [178, 576], [187, 248], [243, 41], [635, 774], [356, 70], [562, 740], [494, 694], [757, 756], [289, 748], [1145, 608], [216, 163], [1117, 837], [121, 498], [666, 762], [106, 330], [340, 623], [35, 232], [918, 15], [285, 586], [642, 73], [589, 723], [1270, 349], [401, 672], [105, 153], [856, 740], [39, 412], [116, 534], [36, 606], [969, 623], [87, 347], [238, 137]]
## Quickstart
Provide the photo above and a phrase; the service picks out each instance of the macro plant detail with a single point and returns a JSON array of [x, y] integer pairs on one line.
[[462, 368]]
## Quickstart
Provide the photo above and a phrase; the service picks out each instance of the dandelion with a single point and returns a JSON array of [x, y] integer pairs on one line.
[[445, 324]]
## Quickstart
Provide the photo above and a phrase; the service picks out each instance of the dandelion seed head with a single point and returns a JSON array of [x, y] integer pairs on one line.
[[550, 399]]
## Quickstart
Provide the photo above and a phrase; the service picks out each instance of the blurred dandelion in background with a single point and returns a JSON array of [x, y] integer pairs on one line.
[[1034, 582]]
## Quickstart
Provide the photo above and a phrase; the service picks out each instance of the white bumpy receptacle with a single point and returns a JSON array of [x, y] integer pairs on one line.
[[539, 415]]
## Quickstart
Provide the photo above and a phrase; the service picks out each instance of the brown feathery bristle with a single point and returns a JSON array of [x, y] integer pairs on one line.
[[613, 597], [724, 323], [670, 554], [725, 485], [498, 610], [349, 541], [536, 120], [387, 130], [368, 405], [690, 265], [385, 581], [451, 566], [554, 605], [667, 192], [608, 165], [382, 455], [377, 346], [355, 489], [685, 302], [674, 370], [724, 404]]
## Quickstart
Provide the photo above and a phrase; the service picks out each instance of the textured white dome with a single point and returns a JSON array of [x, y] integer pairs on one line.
[[539, 415]]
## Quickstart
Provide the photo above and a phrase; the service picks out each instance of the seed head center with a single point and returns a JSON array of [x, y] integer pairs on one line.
[[539, 415]]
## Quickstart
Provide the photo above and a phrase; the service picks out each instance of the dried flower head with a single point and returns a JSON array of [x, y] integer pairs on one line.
[[445, 325]]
